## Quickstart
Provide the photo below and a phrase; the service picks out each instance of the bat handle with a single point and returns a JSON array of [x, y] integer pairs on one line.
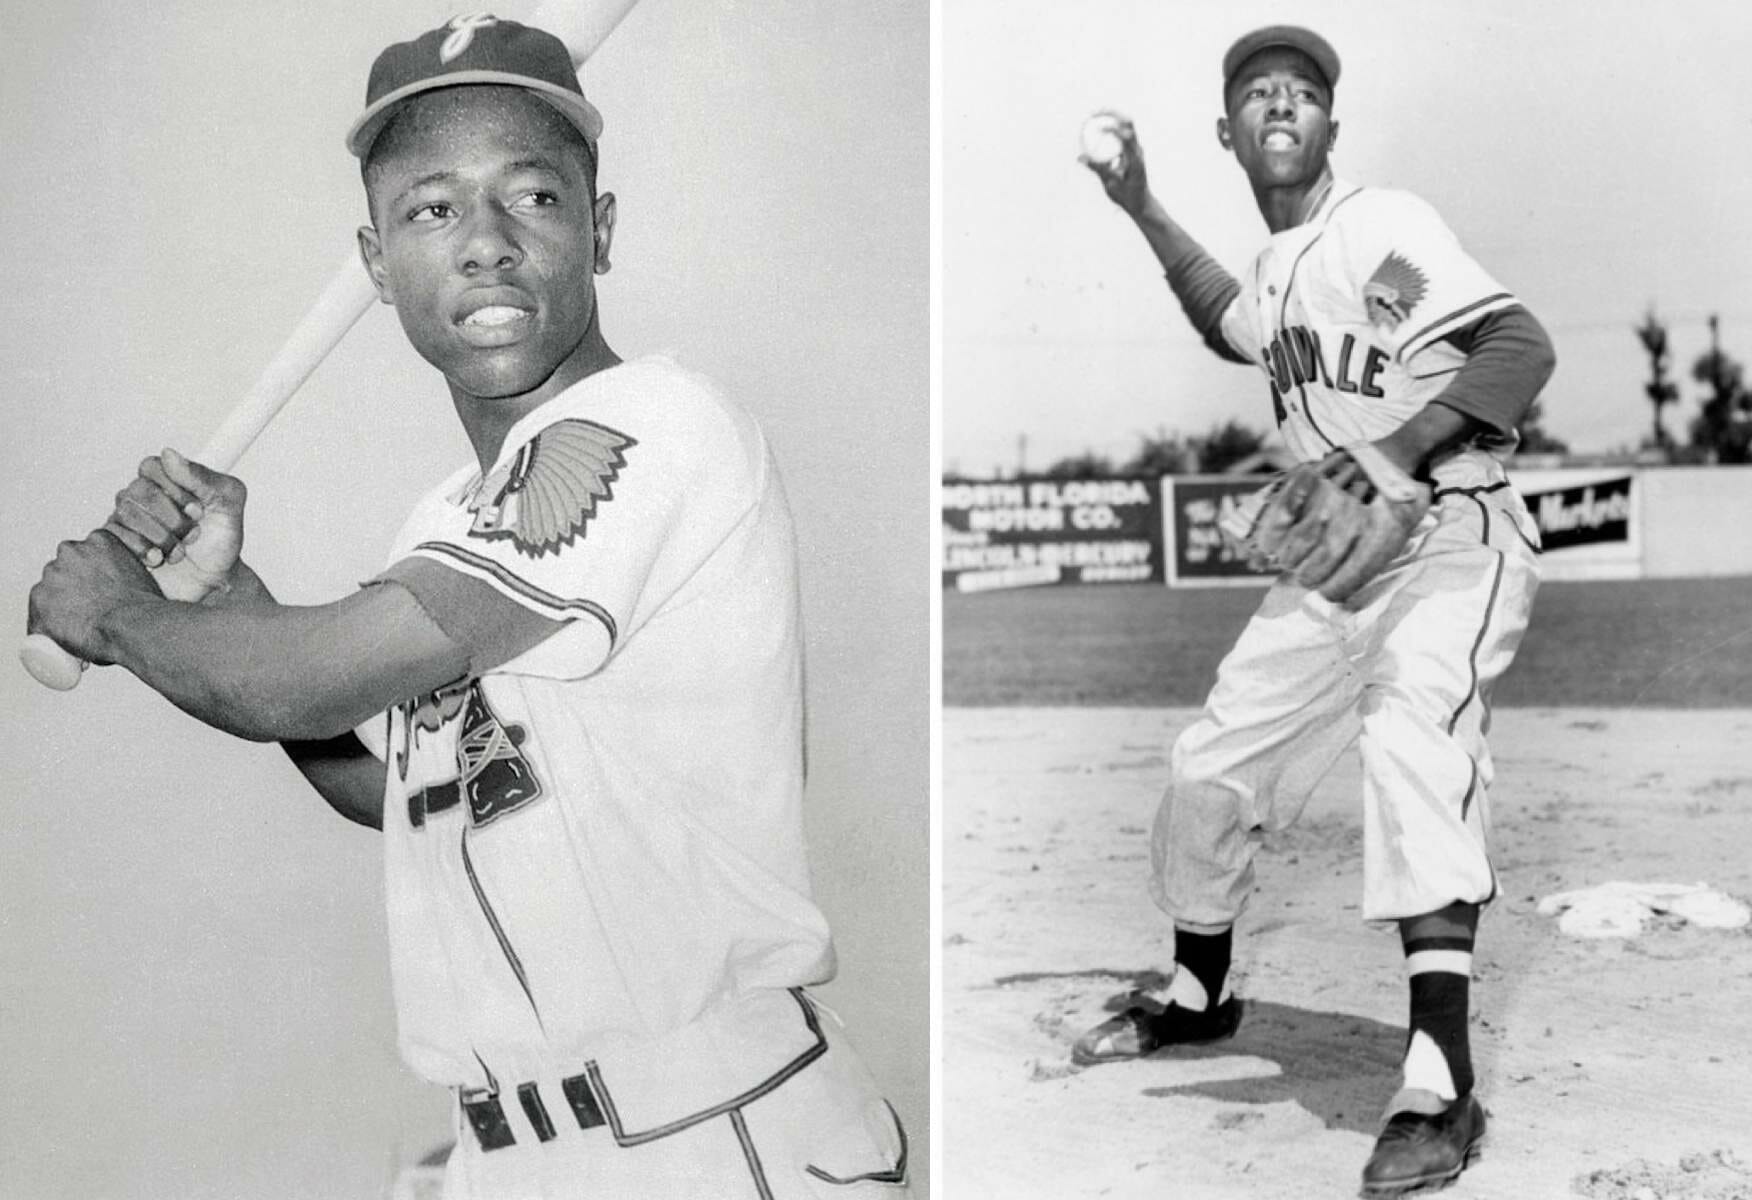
[[50, 665], [53, 667]]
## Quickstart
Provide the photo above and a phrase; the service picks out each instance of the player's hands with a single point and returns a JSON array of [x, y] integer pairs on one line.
[[176, 509], [83, 582], [1123, 178], [1332, 526]]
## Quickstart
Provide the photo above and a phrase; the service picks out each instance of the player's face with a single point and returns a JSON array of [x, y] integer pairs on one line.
[[486, 241], [1279, 122]]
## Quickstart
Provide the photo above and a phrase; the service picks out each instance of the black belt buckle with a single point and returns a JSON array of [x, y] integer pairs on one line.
[[487, 1116], [583, 1102]]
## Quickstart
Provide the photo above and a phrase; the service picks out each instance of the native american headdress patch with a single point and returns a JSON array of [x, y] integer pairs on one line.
[[1393, 291], [544, 497]]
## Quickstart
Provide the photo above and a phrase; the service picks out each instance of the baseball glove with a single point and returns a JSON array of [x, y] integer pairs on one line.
[[1331, 526]]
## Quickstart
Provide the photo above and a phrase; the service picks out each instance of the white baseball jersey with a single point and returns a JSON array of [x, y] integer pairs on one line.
[[602, 838], [1347, 312]]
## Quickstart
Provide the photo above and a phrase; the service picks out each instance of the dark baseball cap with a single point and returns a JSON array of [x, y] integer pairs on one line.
[[479, 48], [1307, 41]]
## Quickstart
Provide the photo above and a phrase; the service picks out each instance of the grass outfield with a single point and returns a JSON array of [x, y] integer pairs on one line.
[[1671, 643]]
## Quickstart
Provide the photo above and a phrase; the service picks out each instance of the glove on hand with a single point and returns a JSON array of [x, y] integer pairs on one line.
[[1332, 525]]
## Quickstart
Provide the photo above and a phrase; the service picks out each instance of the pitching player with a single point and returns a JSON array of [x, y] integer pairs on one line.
[[1371, 325], [576, 686]]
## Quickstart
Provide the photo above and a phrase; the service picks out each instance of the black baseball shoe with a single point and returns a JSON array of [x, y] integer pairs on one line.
[[1426, 1143], [1142, 1030]]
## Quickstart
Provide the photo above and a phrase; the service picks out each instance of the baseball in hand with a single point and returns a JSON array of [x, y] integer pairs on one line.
[[1101, 141]]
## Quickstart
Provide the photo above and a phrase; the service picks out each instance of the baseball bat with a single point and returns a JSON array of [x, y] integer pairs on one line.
[[582, 25]]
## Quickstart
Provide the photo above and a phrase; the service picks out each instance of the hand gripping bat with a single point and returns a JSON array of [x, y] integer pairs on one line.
[[582, 25]]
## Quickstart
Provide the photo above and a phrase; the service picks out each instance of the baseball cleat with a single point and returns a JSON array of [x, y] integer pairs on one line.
[[1423, 1149], [1139, 1032]]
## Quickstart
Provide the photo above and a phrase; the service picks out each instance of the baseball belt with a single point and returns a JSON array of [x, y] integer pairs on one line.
[[592, 1104], [486, 1114]]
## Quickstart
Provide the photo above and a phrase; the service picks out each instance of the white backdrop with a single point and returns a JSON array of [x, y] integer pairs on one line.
[[194, 996]]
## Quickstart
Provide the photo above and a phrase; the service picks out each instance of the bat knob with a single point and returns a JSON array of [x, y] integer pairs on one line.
[[50, 665]]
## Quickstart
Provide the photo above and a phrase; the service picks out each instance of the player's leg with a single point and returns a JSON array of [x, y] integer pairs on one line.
[[1431, 654], [1278, 717], [1441, 635]]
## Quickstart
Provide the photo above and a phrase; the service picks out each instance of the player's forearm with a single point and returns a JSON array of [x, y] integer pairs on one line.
[[234, 667], [1508, 359], [271, 672], [1433, 429], [344, 773], [243, 588], [341, 770], [1202, 286]]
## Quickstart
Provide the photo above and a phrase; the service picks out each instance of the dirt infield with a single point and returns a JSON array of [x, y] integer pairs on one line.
[[1615, 1070]]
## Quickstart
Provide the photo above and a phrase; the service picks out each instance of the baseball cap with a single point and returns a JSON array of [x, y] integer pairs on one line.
[[478, 48], [1294, 36]]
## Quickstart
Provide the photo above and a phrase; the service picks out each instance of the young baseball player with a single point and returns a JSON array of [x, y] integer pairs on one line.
[[1373, 327], [576, 687]]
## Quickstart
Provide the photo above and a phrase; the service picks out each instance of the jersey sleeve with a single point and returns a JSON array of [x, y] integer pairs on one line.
[[1409, 274], [601, 506]]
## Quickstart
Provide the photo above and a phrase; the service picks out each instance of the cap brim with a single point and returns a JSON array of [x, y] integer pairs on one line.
[[577, 110]]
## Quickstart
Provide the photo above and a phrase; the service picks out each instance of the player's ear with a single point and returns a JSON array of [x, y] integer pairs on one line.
[[371, 254], [604, 230], [1332, 135], [1228, 142]]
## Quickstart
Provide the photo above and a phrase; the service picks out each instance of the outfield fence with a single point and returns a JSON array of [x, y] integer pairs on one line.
[[1597, 522]]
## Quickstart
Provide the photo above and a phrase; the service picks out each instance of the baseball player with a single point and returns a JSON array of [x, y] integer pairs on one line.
[[576, 687], [1372, 326]]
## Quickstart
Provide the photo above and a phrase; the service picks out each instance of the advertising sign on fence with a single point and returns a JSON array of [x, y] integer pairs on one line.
[[1588, 524], [1589, 521], [1198, 555], [1027, 531]]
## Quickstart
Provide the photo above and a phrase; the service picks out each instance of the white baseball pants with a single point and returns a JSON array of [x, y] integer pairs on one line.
[[1406, 671]]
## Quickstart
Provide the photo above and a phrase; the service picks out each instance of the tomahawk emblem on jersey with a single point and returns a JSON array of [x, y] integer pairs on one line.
[[545, 496], [1393, 291]]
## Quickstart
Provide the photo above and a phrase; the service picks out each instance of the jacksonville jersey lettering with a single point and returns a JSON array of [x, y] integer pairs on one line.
[[1348, 315], [1297, 358]]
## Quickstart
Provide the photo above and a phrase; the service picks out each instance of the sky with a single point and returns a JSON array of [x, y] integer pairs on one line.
[[1591, 155], [194, 993]]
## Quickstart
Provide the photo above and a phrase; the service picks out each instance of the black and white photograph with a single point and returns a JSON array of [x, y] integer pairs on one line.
[[1346, 721], [471, 520]]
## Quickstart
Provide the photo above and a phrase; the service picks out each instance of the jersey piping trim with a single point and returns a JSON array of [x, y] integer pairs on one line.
[[623, 1138], [567, 609], [1284, 308], [1496, 584], [1445, 325], [750, 1155], [492, 917], [1483, 489], [1473, 493], [895, 1174], [1284, 312]]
